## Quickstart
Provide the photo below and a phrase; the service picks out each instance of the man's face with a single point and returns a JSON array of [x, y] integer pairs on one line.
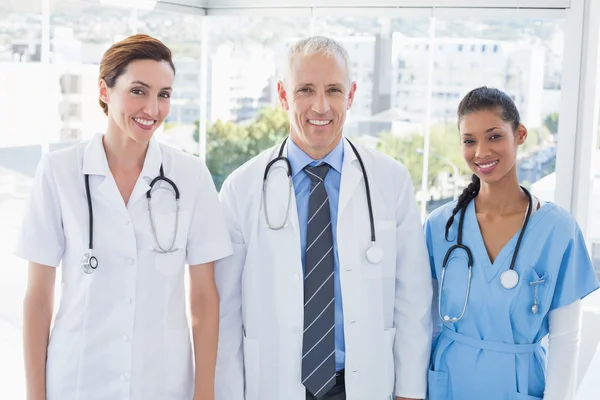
[[316, 95]]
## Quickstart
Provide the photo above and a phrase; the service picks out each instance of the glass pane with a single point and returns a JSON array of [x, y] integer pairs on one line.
[[22, 112], [589, 364], [522, 57]]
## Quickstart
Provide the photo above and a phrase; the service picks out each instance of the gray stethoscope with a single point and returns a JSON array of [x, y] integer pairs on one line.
[[89, 262], [374, 253], [509, 278]]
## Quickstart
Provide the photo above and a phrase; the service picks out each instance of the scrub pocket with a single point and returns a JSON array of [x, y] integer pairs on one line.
[[439, 383]]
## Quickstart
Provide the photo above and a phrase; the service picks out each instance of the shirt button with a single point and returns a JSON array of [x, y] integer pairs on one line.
[[130, 261], [297, 277]]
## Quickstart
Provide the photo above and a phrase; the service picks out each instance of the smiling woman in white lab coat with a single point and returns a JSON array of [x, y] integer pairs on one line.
[[123, 240]]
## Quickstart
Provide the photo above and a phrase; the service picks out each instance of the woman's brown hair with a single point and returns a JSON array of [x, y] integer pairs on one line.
[[118, 57]]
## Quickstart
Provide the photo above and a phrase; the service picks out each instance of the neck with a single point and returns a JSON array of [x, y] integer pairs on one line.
[[315, 153], [122, 153], [502, 197]]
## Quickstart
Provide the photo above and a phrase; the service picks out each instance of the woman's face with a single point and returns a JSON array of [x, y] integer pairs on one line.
[[140, 100], [489, 144]]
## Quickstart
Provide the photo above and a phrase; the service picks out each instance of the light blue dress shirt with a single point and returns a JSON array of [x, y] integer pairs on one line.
[[302, 186]]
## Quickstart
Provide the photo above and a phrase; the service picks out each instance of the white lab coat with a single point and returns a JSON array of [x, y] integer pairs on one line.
[[121, 332], [387, 320]]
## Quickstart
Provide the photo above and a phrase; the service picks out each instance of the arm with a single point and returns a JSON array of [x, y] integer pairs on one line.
[[563, 351], [38, 306], [229, 380], [204, 308], [412, 310]]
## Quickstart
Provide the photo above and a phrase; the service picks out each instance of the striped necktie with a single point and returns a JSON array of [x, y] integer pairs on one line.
[[318, 351]]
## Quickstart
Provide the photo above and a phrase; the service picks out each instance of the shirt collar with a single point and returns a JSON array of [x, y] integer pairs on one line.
[[299, 159]]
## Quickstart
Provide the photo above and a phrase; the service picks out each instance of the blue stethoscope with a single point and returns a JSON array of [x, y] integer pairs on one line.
[[509, 278], [374, 253], [89, 262]]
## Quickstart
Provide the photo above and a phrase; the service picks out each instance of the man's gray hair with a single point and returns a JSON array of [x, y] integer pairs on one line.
[[317, 45]]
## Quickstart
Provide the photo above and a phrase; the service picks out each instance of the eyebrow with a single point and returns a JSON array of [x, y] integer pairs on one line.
[[487, 131], [148, 86], [339, 85]]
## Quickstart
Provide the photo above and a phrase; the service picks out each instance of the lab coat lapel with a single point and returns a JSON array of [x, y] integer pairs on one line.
[[150, 171], [96, 164], [351, 177]]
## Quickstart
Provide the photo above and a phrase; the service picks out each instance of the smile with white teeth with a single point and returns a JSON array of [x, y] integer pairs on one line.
[[147, 122], [484, 166], [318, 122]]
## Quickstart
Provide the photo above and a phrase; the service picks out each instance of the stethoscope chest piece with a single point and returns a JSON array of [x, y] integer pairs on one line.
[[374, 254], [509, 279], [89, 263]]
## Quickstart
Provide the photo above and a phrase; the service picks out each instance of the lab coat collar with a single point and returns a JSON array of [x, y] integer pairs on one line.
[[351, 176], [95, 161]]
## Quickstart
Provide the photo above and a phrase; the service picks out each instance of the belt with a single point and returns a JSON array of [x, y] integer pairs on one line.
[[492, 346]]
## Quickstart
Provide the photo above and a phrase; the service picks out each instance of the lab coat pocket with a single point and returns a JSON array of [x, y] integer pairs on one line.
[[521, 396], [438, 385], [390, 335], [63, 359], [170, 263], [532, 302], [251, 370]]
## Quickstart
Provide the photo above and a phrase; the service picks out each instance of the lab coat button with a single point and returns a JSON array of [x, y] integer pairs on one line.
[[297, 277], [127, 223], [125, 338], [128, 300], [125, 376], [130, 261]]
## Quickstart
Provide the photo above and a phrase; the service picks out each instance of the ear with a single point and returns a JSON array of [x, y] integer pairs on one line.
[[103, 91], [521, 134], [283, 99], [351, 95]]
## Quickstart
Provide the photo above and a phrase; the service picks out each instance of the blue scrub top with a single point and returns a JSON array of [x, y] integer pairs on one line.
[[494, 351]]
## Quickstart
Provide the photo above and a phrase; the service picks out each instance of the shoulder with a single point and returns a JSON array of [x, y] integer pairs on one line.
[[246, 174], [438, 218], [557, 219], [66, 160]]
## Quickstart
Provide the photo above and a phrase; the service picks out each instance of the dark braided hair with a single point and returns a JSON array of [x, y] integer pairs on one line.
[[481, 99]]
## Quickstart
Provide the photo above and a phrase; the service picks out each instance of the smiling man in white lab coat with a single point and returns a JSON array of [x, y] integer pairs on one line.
[[311, 308]]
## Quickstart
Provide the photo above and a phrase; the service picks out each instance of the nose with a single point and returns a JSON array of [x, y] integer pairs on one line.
[[151, 107], [483, 150], [321, 105]]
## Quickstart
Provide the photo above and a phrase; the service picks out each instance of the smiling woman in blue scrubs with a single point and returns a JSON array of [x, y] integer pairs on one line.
[[530, 269]]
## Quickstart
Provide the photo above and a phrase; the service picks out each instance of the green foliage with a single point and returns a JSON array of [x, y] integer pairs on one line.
[[229, 145], [444, 143], [551, 122]]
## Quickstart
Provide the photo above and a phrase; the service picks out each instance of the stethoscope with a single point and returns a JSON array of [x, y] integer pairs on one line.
[[374, 253], [508, 279], [89, 262]]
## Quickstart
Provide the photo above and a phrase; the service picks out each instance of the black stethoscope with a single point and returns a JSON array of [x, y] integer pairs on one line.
[[509, 278], [89, 262], [374, 253]]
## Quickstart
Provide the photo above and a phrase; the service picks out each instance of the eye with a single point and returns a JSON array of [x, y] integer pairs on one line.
[[496, 136], [335, 90], [137, 92], [305, 90], [468, 141], [165, 95]]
